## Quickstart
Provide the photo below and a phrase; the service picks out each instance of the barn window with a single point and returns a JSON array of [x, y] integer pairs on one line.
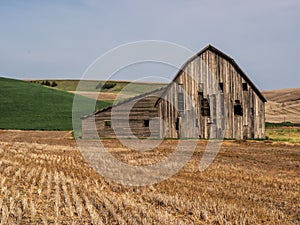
[[180, 102], [238, 110], [107, 123], [177, 123], [205, 109], [197, 123], [200, 94], [221, 87], [245, 87], [146, 123]]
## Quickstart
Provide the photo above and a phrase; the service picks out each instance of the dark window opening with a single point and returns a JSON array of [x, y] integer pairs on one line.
[[252, 111], [146, 123], [197, 123], [245, 87], [238, 110], [180, 102], [221, 87], [200, 94], [205, 109], [107, 123], [177, 124]]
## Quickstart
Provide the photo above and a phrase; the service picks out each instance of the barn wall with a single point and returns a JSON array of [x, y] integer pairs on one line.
[[208, 70], [142, 109]]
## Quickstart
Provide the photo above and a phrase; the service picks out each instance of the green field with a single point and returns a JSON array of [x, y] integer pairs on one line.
[[30, 106]]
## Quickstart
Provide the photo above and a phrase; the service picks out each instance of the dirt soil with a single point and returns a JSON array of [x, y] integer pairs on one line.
[[45, 180]]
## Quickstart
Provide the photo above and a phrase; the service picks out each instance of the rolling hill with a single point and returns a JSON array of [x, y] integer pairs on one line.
[[30, 106], [130, 88], [92, 89], [283, 105]]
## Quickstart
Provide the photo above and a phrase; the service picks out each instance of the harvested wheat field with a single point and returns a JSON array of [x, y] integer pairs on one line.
[[45, 180]]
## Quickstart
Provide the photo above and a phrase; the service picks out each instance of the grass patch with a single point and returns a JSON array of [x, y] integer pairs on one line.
[[283, 124], [30, 106], [284, 134]]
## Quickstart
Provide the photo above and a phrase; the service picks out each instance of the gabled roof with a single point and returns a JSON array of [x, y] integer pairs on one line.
[[228, 58], [125, 101]]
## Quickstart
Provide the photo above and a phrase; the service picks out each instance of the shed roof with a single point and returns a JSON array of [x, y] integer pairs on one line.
[[126, 101]]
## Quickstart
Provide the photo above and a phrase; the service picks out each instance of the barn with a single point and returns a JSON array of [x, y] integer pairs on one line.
[[209, 97]]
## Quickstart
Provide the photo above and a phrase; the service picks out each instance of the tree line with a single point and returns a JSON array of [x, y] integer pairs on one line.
[[45, 83]]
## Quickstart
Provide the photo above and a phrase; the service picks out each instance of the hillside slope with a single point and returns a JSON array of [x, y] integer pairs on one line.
[[283, 105], [92, 89], [30, 106]]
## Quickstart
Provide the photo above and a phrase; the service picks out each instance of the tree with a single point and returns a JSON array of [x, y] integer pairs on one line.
[[47, 83], [54, 84], [106, 85]]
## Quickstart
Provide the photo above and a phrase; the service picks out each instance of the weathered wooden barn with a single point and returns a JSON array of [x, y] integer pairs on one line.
[[210, 97]]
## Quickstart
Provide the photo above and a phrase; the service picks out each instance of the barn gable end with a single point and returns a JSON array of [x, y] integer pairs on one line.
[[243, 109]]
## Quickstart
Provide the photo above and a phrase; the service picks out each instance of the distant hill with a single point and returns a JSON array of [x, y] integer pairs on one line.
[[93, 89], [95, 86], [283, 105], [30, 106]]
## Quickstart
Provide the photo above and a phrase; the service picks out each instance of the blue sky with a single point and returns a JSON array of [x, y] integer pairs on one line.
[[60, 39]]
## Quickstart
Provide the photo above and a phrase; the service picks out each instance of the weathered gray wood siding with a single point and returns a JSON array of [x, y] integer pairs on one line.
[[208, 70], [140, 109]]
